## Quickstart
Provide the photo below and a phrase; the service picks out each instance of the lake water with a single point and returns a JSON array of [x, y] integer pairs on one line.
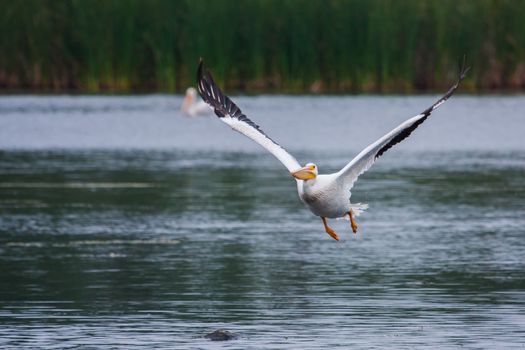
[[125, 224]]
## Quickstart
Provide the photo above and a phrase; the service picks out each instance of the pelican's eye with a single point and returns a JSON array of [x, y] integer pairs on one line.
[[312, 167]]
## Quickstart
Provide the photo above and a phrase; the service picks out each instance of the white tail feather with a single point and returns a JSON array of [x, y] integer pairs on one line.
[[357, 209]]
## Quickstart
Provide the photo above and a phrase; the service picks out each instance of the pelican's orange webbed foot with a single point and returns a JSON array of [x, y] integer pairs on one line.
[[329, 230], [352, 221]]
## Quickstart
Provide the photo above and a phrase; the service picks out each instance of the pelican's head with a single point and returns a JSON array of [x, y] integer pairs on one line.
[[308, 172], [191, 93]]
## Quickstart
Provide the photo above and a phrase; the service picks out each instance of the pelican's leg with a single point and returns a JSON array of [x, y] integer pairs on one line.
[[329, 230], [352, 221]]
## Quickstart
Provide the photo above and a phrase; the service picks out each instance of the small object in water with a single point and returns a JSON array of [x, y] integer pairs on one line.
[[221, 335]]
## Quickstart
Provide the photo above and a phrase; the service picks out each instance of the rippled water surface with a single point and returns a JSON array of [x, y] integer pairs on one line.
[[124, 224]]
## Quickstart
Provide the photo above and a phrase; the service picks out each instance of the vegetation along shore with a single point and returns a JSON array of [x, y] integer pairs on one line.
[[257, 46]]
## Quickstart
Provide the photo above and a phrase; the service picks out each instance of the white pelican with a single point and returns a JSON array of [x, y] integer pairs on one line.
[[191, 106], [327, 196]]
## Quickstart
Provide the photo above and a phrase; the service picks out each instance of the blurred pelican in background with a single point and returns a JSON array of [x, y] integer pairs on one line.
[[192, 106]]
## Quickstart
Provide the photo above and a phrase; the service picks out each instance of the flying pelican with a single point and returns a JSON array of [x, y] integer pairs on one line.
[[191, 107], [327, 195]]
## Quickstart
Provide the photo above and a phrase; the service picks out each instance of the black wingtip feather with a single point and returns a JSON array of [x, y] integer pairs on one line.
[[222, 105], [462, 69], [462, 75], [400, 137], [406, 132], [211, 94]]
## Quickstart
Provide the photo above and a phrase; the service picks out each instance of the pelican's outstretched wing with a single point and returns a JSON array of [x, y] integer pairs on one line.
[[229, 113], [364, 160]]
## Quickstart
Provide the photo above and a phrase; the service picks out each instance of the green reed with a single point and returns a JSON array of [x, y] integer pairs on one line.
[[261, 45]]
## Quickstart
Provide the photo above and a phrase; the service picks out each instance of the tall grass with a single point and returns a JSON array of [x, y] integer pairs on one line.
[[260, 45]]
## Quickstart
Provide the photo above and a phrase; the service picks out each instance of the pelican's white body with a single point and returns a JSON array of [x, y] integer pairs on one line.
[[324, 196]]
